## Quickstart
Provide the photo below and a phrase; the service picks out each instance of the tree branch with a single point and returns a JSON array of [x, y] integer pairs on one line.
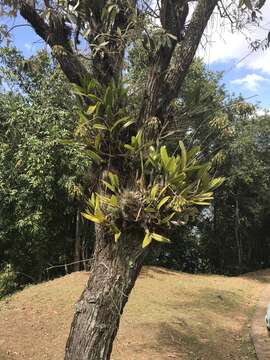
[[173, 15], [188, 47], [56, 35]]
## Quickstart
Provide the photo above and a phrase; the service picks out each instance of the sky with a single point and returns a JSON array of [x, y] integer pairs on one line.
[[245, 72]]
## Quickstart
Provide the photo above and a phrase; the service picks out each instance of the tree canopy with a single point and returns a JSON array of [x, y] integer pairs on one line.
[[41, 182]]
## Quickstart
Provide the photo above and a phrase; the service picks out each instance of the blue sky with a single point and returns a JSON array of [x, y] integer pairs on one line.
[[245, 72], [252, 85]]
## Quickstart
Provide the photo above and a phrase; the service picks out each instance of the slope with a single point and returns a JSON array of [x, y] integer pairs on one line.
[[170, 315]]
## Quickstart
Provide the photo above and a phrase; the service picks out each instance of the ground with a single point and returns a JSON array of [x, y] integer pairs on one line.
[[259, 334], [170, 315]]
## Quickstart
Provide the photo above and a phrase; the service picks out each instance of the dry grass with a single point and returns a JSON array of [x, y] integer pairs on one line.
[[169, 315]]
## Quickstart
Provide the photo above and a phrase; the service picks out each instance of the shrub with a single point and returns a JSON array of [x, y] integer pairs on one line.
[[7, 280]]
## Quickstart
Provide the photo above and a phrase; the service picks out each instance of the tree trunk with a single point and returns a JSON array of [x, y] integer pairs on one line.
[[238, 237], [113, 274], [77, 250]]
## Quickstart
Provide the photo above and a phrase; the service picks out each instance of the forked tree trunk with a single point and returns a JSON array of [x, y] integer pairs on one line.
[[113, 274]]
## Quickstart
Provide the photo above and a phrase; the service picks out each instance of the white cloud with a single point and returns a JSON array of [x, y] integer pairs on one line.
[[222, 45], [260, 61], [28, 46], [262, 112], [251, 82]]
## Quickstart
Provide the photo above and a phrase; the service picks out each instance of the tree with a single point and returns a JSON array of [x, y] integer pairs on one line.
[[39, 178], [141, 189], [242, 205]]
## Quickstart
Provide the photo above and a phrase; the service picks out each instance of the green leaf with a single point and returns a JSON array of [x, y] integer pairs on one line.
[[183, 155], [163, 201], [124, 120], [91, 201], [110, 8], [215, 183], [82, 118], [103, 44], [154, 191], [147, 239], [202, 199], [108, 95], [94, 156], [164, 156], [128, 123], [106, 200], [98, 219], [93, 97], [109, 186], [114, 229], [92, 85], [100, 127], [91, 109], [114, 201], [205, 181], [167, 218], [97, 205], [114, 179], [78, 90], [178, 179], [160, 238], [109, 112], [172, 165], [201, 203], [193, 168], [97, 141], [150, 210], [68, 142], [203, 170], [139, 138], [172, 36], [129, 147], [117, 236], [193, 152]]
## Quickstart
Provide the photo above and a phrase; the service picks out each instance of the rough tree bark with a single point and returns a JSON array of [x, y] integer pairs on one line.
[[58, 40], [113, 274]]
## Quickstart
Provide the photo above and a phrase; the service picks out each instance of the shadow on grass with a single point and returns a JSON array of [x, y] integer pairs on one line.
[[159, 270], [3, 356], [179, 338], [263, 276], [205, 301]]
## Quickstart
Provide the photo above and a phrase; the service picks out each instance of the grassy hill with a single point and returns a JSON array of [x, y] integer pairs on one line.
[[170, 315]]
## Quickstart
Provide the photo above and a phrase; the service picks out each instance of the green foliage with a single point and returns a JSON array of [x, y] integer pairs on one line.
[[242, 206], [7, 280], [232, 235], [200, 114], [167, 188], [172, 180], [41, 182]]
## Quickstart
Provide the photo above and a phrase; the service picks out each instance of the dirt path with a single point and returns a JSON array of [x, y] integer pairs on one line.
[[258, 329]]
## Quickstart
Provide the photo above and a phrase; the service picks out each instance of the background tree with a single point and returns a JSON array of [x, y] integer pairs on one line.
[[39, 178], [236, 237], [230, 237]]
